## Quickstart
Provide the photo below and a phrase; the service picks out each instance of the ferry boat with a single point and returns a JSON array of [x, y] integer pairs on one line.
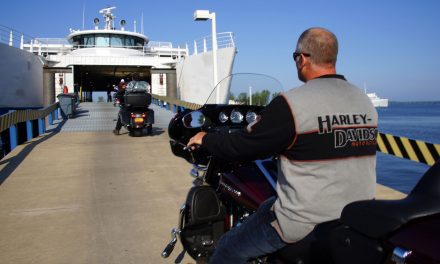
[[377, 101], [89, 62]]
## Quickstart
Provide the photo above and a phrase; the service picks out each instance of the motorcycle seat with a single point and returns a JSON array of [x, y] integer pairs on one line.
[[378, 218]]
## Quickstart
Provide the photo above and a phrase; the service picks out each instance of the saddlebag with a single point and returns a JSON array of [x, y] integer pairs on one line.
[[203, 222]]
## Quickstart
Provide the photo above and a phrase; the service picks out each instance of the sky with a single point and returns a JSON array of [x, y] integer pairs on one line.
[[389, 47]]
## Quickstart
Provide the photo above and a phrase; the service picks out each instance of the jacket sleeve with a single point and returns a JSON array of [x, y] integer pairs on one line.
[[273, 134]]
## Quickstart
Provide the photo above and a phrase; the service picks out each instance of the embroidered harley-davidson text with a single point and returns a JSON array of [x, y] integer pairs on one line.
[[328, 122], [356, 137]]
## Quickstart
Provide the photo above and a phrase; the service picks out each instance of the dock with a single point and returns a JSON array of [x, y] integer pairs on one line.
[[79, 194]]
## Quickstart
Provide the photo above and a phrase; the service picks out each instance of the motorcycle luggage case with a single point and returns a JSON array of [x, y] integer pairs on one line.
[[137, 99]]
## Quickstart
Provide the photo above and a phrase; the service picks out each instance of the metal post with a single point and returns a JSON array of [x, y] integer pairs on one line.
[[10, 38], [13, 140], [50, 119], [195, 47], [250, 95], [29, 130], [214, 53], [205, 49], [40, 126]]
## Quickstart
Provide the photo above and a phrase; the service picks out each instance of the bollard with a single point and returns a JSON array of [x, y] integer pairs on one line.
[[29, 130]]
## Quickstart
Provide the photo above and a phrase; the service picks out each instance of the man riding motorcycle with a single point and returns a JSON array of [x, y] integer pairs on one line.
[[324, 134]]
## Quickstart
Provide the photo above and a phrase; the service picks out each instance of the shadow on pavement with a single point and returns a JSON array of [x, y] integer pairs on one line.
[[15, 161]]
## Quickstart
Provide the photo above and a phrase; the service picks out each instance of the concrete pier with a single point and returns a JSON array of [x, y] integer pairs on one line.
[[93, 197]]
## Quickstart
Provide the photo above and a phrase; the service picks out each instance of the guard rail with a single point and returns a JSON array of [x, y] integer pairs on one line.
[[20, 126]]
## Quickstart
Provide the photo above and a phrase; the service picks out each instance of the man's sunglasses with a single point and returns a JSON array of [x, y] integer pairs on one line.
[[296, 54]]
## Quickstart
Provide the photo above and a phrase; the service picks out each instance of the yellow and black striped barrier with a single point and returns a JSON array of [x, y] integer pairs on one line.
[[406, 148]]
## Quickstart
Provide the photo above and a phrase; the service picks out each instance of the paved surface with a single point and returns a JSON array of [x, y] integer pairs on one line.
[[102, 117], [90, 196]]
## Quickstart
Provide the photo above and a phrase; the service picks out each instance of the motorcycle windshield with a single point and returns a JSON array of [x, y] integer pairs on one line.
[[245, 89], [137, 86]]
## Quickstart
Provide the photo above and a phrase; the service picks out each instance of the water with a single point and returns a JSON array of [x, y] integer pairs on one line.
[[415, 120]]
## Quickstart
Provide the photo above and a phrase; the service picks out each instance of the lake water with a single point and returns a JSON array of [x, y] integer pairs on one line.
[[414, 120]]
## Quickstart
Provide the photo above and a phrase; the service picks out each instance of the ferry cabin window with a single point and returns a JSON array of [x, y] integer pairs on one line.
[[106, 40], [102, 41], [129, 42], [117, 41], [89, 41]]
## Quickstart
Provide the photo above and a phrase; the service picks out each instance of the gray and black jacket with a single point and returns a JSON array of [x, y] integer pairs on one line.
[[324, 133]]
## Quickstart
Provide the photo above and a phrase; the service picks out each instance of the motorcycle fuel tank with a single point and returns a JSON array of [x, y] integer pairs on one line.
[[247, 185]]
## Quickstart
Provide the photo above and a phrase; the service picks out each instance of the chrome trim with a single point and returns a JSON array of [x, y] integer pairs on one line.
[[400, 255], [230, 189], [198, 171], [182, 216]]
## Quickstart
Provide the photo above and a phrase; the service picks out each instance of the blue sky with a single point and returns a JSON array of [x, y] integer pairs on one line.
[[392, 47]]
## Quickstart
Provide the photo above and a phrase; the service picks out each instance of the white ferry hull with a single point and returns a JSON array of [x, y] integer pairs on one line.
[[195, 74]]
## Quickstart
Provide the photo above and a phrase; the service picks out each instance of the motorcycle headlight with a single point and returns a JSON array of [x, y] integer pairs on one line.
[[223, 117], [251, 117], [236, 117]]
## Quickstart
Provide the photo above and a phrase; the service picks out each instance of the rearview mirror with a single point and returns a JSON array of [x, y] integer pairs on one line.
[[195, 119]]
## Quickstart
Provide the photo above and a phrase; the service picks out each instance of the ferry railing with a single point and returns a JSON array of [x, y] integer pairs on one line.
[[47, 46], [402, 147], [224, 40], [51, 48], [12, 37], [19, 126]]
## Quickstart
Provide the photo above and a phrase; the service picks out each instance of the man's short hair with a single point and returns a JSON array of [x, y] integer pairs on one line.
[[320, 44]]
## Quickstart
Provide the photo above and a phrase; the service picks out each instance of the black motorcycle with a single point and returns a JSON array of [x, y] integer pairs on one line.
[[224, 194], [135, 114]]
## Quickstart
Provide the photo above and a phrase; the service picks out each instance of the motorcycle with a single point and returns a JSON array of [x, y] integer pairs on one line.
[[134, 114], [225, 193]]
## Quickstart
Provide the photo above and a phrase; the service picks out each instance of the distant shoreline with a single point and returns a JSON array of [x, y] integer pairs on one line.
[[414, 102]]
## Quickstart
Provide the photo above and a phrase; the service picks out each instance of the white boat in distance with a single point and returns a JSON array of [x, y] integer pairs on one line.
[[377, 101]]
